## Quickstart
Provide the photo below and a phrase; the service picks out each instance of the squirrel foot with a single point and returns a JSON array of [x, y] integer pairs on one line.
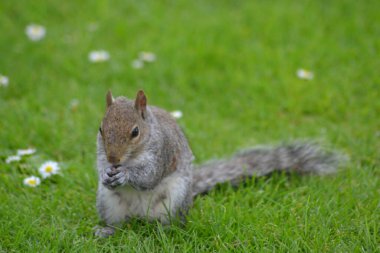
[[103, 232]]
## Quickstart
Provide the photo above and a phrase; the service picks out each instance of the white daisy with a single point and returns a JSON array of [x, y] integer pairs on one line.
[[305, 74], [92, 27], [28, 151], [48, 168], [137, 64], [35, 32], [4, 81], [176, 114], [74, 104], [147, 56], [32, 181], [13, 158], [98, 56]]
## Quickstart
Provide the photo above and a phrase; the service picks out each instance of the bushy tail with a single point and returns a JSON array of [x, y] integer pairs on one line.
[[298, 157]]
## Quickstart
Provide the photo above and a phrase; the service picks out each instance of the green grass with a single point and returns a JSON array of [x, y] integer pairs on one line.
[[230, 67]]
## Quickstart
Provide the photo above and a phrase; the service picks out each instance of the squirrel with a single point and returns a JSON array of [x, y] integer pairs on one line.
[[145, 165]]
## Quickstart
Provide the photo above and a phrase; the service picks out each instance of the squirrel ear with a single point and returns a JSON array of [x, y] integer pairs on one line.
[[140, 103], [109, 99]]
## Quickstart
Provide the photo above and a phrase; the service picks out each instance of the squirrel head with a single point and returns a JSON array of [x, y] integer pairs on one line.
[[124, 127]]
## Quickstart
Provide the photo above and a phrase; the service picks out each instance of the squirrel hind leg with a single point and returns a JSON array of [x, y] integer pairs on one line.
[[103, 232]]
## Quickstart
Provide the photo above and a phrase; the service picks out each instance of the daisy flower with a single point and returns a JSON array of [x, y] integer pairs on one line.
[[4, 81], [35, 32], [305, 74], [74, 104], [48, 168], [92, 27], [147, 56], [137, 64], [176, 114], [32, 181], [98, 56], [29, 151], [13, 158]]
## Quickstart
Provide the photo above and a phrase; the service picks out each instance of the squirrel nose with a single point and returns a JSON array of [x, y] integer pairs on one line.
[[115, 166], [113, 159]]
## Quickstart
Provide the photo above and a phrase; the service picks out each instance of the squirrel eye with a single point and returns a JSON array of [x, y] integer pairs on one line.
[[100, 130], [135, 132]]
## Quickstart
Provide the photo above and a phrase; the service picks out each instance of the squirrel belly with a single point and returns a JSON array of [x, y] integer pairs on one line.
[[162, 203]]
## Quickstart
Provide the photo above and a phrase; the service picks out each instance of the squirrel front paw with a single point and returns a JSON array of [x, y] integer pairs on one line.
[[113, 177]]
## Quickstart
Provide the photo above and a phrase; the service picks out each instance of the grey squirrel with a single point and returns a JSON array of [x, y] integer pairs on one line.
[[145, 164]]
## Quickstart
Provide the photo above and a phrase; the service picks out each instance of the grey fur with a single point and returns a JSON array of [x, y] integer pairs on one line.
[[300, 157], [161, 153], [146, 175]]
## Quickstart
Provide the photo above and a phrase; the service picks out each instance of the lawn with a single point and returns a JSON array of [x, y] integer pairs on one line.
[[230, 67]]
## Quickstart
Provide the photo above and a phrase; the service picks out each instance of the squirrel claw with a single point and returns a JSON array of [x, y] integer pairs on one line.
[[113, 181]]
